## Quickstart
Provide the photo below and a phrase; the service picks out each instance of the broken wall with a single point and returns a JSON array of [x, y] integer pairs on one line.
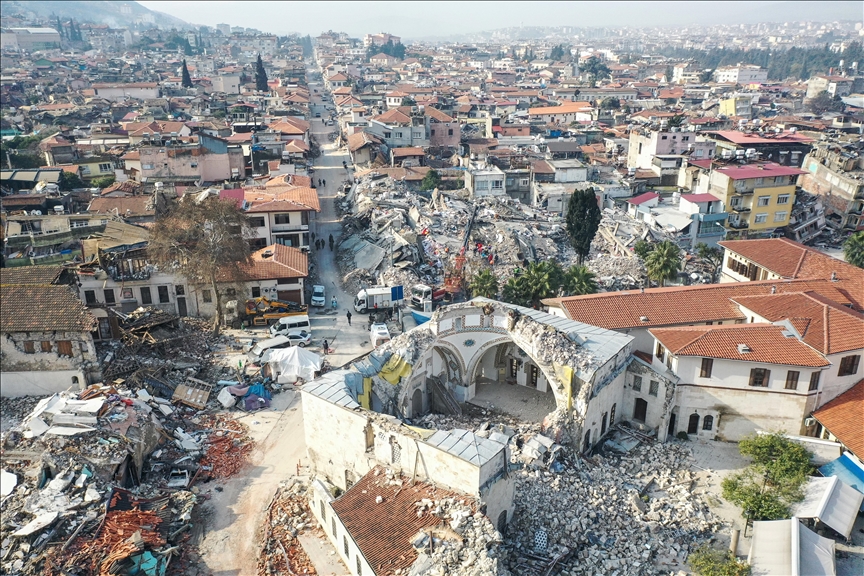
[[41, 383], [49, 351]]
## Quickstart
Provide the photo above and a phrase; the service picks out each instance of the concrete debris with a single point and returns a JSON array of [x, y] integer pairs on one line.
[[287, 517]]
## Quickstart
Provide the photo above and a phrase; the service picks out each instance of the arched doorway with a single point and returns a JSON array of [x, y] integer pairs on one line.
[[502, 521], [693, 424]]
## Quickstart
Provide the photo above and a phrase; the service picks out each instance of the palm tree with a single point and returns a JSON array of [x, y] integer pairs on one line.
[[853, 249], [541, 280], [484, 284], [664, 262], [514, 292], [578, 280]]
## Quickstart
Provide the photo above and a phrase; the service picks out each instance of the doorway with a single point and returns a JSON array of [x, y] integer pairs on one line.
[[417, 403], [640, 410], [693, 424], [181, 307], [671, 430]]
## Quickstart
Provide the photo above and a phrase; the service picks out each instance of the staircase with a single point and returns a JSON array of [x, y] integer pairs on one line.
[[442, 400]]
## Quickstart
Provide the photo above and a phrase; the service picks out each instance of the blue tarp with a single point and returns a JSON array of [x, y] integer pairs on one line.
[[354, 381], [372, 364], [848, 471]]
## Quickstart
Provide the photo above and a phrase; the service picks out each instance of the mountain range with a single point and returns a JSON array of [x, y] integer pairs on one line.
[[117, 14]]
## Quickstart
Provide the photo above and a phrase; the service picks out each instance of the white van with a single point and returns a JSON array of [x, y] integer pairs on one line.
[[260, 348], [289, 323]]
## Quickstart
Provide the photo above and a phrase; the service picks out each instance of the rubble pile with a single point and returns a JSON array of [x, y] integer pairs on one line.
[[287, 516], [549, 345], [228, 447], [466, 543], [621, 514]]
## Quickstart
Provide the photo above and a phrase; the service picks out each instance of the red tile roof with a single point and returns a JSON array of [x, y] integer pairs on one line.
[[824, 325], [790, 259], [642, 198], [382, 531], [843, 417], [677, 305], [767, 344], [38, 308], [282, 199]]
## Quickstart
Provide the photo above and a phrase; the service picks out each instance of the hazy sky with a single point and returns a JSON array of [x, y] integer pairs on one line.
[[424, 19]]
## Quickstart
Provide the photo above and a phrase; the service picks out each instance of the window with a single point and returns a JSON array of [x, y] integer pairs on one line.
[[257, 222], [333, 525], [450, 132], [708, 423], [783, 198], [761, 218], [664, 137], [612, 415], [780, 180], [534, 375], [180, 290], [359, 566], [603, 423], [127, 294], [685, 138], [29, 347], [780, 216], [163, 294], [814, 381], [849, 365], [432, 132], [256, 292], [345, 545], [792, 379], [207, 296], [323, 510], [105, 167], [46, 346], [660, 351], [109, 296], [764, 200], [707, 366], [654, 388], [282, 218], [513, 367], [90, 297], [230, 292], [64, 348], [386, 134], [497, 184], [146, 297], [637, 383], [759, 377]]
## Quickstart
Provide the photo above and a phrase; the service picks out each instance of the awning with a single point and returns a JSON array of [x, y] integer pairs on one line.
[[848, 470], [788, 548], [830, 501]]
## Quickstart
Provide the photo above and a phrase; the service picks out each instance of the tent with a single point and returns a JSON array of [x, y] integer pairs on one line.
[[288, 364], [848, 469], [788, 548], [831, 501]]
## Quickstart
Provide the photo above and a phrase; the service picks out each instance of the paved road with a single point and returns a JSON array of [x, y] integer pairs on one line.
[[348, 342]]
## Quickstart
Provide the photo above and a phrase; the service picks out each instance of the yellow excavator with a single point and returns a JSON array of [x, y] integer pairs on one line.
[[260, 312]]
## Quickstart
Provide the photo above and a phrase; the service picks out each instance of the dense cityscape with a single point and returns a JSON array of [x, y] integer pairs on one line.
[[553, 300]]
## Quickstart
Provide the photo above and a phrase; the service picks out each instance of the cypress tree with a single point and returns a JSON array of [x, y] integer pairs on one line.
[[187, 80], [260, 76]]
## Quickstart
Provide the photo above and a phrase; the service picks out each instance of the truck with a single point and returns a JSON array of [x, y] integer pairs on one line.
[[260, 312], [421, 293], [379, 334], [376, 298]]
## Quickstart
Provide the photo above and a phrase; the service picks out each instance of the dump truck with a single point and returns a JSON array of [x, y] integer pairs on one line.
[[260, 312], [421, 293]]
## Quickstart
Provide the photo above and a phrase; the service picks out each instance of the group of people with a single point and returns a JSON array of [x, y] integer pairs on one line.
[[320, 243], [321, 182]]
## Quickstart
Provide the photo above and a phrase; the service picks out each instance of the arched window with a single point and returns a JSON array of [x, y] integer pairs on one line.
[[587, 444], [708, 423]]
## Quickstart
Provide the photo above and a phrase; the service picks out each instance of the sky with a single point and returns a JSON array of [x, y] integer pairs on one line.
[[414, 20]]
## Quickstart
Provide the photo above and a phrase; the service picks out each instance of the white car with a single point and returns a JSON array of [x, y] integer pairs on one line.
[[318, 297], [300, 338]]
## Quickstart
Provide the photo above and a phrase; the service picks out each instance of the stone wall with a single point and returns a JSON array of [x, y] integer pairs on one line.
[[47, 351]]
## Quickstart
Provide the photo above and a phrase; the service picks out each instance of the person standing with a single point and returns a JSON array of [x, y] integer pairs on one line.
[[349, 317], [326, 348]]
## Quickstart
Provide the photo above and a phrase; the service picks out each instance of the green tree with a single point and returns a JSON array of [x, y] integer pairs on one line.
[[540, 280], [707, 561], [583, 220], [823, 102], [676, 121], [705, 76], [431, 180], [664, 262], [484, 284], [596, 69], [102, 181], [206, 242], [70, 181], [515, 292], [579, 280], [756, 500], [187, 80], [779, 460], [642, 248], [260, 76], [713, 255], [610, 103], [853, 249]]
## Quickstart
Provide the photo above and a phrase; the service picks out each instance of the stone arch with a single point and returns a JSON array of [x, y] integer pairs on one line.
[[416, 403], [481, 351], [452, 359]]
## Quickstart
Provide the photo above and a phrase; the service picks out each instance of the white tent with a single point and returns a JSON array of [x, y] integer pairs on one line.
[[788, 548], [831, 501], [288, 364]]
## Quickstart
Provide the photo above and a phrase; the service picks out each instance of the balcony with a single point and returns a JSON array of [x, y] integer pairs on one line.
[[739, 209], [736, 225], [289, 228]]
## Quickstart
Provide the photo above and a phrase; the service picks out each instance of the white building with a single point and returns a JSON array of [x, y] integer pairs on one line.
[[740, 74]]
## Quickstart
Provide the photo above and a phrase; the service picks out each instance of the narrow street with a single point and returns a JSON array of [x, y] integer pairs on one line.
[[230, 540]]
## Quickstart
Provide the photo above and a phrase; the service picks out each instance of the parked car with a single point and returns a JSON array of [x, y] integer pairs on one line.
[[299, 338], [318, 297]]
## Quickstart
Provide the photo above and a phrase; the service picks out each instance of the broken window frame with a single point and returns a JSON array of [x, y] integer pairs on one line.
[[146, 295], [660, 352], [90, 297]]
